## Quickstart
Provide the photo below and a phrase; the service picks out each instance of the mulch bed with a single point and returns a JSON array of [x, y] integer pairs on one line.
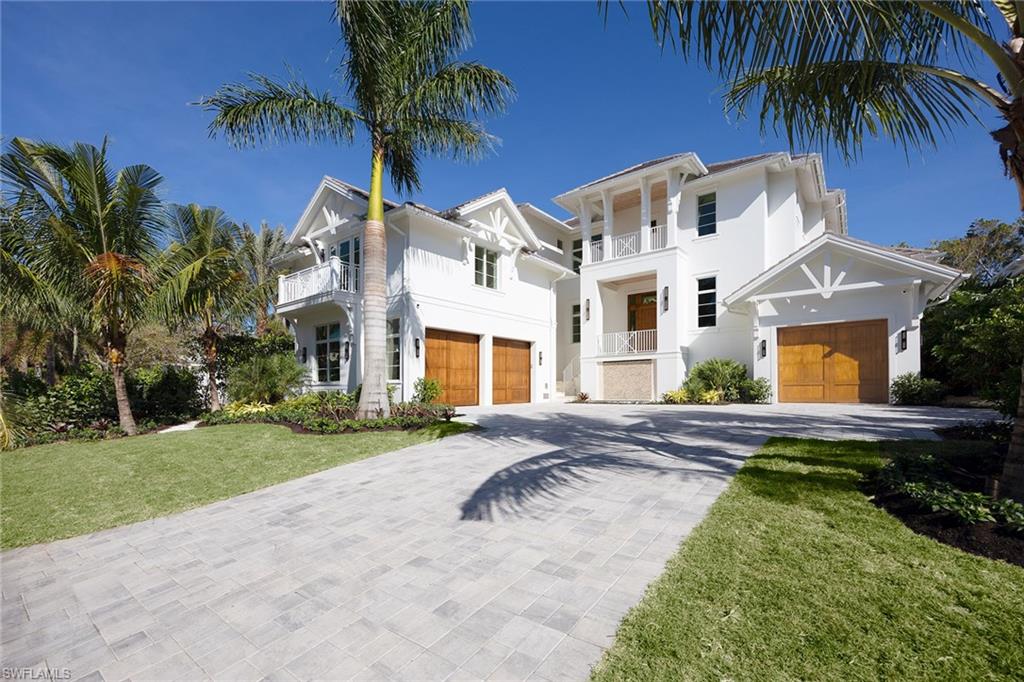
[[982, 539]]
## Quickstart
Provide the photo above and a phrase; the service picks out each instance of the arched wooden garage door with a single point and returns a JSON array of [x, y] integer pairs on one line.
[[834, 363], [511, 375], [453, 359]]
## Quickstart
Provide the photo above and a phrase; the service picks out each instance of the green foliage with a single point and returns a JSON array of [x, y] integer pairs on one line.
[[237, 349], [1010, 514], [165, 394], [680, 396], [717, 374], [24, 384], [267, 379], [427, 390], [756, 390], [911, 388], [986, 250]]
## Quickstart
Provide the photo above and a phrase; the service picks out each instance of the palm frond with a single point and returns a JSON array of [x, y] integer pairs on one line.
[[463, 89]]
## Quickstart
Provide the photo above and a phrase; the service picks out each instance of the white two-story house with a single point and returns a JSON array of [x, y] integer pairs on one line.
[[663, 265]]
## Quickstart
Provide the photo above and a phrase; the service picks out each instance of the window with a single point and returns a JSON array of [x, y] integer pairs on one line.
[[558, 243], [577, 252], [486, 268], [328, 352], [707, 308], [394, 350], [707, 221], [576, 323]]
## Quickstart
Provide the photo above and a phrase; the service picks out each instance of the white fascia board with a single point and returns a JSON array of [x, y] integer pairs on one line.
[[326, 183], [502, 196], [568, 200], [545, 216]]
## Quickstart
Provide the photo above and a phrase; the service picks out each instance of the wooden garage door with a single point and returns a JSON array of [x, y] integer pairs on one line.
[[511, 374], [454, 359], [834, 363]]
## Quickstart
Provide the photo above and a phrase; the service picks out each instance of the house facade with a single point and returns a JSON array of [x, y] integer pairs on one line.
[[663, 265]]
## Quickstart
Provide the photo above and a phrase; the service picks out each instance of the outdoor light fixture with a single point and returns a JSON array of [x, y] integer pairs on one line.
[[763, 348], [347, 346], [903, 340], [304, 355], [540, 357], [417, 347], [587, 310], [664, 299]]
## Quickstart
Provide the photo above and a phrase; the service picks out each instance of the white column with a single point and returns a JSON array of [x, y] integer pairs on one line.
[[590, 291], [486, 365], [608, 207], [673, 199], [280, 289], [645, 214], [585, 229]]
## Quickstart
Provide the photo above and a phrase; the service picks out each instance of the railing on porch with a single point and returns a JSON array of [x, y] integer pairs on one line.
[[319, 279], [628, 244], [628, 343]]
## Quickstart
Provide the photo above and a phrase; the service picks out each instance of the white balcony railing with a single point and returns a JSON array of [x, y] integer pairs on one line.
[[628, 244], [628, 343], [324, 278]]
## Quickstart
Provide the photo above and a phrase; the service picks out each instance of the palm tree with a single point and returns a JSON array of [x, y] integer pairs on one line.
[[204, 284], [95, 238], [408, 93], [835, 73], [259, 254]]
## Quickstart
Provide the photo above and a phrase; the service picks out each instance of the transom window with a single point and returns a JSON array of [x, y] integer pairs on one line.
[[707, 219], [394, 350], [486, 268], [328, 352], [576, 323], [707, 307]]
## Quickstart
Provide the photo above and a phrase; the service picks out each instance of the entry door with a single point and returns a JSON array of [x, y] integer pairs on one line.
[[511, 372], [643, 311], [453, 359], [834, 363]]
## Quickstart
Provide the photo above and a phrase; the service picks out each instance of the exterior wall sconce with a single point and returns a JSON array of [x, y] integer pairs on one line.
[[903, 340], [586, 309], [664, 299], [348, 345], [305, 356], [762, 349], [540, 357], [417, 344]]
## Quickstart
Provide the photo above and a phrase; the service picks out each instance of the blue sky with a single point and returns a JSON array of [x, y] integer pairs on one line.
[[591, 99]]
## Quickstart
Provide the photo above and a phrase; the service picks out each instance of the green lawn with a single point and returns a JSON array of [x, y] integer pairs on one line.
[[58, 491], [795, 575]]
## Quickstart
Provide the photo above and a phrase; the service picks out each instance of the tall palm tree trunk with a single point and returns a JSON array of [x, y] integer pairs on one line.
[[210, 355], [124, 407], [373, 401]]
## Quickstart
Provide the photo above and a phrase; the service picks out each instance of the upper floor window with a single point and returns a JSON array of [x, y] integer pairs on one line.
[[558, 244], [576, 323], [707, 220], [707, 308], [328, 352], [486, 267], [577, 252], [394, 350]]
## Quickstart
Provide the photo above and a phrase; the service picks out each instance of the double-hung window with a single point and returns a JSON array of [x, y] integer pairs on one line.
[[576, 323], [707, 308], [707, 218], [394, 350], [486, 267], [328, 352]]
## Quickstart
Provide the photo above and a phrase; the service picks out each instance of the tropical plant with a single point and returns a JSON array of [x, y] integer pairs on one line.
[[910, 388], [833, 74], [987, 249], [717, 374], [265, 379], [260, 254], [427, 390], [96, 234], [408, 93], [204, 285]]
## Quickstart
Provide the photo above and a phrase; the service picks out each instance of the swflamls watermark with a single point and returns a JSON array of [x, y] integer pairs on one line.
[[35, 673]]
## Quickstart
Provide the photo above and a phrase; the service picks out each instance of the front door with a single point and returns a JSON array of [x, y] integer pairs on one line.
[[643, 319]]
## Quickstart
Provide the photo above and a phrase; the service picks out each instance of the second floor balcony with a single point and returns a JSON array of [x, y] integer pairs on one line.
[[319, 280], [611, 247]]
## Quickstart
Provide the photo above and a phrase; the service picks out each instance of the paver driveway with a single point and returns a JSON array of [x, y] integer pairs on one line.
[[509, 553]]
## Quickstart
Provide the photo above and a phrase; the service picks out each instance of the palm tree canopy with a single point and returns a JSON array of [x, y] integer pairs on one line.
[[831, 74], [260, 254], [404, 83]]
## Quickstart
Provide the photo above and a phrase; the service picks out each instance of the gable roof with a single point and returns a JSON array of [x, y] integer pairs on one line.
[[498, 196]]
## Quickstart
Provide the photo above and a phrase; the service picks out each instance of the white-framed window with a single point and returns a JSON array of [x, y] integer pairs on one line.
[[707, 307], [328, 352], [394, 350], [486, 267], [576, 323], [707, 214], [577, 251]]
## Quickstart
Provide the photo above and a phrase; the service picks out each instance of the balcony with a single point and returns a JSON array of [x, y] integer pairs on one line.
[[628, 343], [323, 279], [628, 244]]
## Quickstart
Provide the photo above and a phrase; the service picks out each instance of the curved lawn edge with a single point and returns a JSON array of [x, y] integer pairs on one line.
[[58, 491], [796, 574]]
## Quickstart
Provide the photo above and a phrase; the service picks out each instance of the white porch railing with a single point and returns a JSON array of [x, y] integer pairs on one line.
[[622, 245], [628, 244], [659, 237], [319, 279], [628, 343], [596, 252]]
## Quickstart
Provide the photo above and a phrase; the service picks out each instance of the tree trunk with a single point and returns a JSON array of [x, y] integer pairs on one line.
[[51, 363], [211, 369], [1011, 483], [373, 401], [124, 408]]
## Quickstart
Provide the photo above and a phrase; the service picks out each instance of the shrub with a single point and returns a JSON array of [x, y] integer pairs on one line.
[[426, 390], [582, 397], [716, 374], [913, 389], [756, 390], [266, 379], [994, 430], [1010, 514], [165, 394], [711, 396], [680, 396]]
